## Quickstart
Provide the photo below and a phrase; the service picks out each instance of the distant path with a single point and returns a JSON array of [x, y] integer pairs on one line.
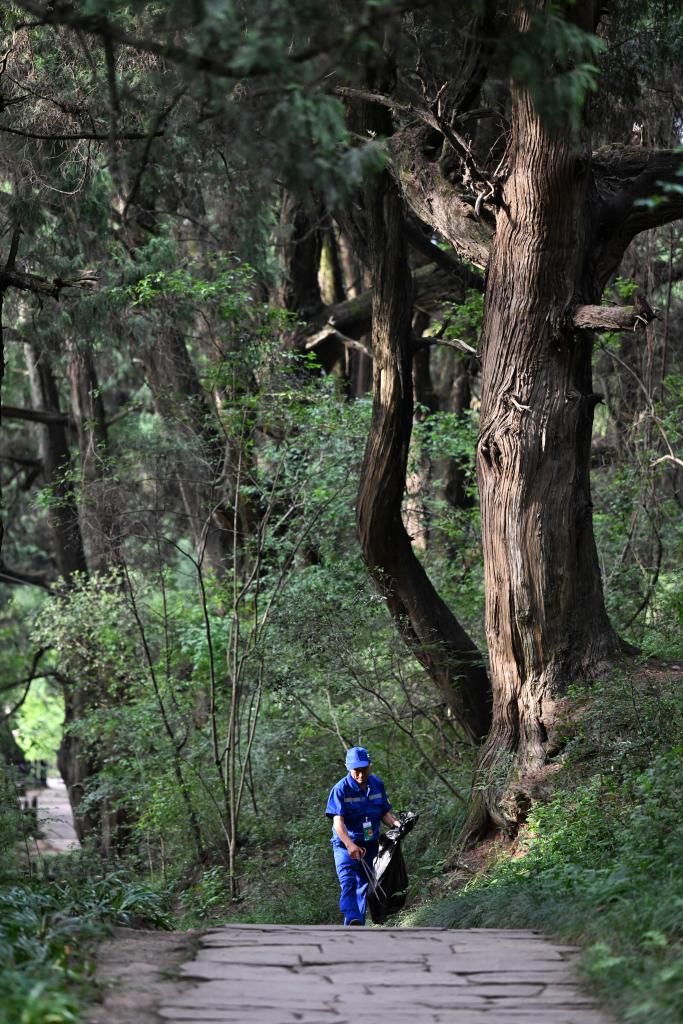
[[270, 974], [55, 819]]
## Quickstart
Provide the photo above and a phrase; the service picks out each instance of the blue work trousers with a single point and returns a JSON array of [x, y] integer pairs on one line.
[[353, 881]]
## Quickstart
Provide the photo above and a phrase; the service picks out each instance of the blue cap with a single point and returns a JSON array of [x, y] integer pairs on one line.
[[357, 757]]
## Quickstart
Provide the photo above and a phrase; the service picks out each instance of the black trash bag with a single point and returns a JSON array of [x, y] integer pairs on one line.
[[390, 884]]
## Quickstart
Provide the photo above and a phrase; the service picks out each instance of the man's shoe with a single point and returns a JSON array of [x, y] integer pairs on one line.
[[356, 922]]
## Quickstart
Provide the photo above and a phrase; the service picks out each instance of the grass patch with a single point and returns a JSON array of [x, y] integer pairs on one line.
[[601, 863]]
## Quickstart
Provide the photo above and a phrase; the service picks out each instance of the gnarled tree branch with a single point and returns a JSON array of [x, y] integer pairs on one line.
[[629, 184], [447, 209], [427, 625]]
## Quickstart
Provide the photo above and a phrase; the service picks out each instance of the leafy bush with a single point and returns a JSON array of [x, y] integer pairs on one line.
[[11, 823], [47, 926]]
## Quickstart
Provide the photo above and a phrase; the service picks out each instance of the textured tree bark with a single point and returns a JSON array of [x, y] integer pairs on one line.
[[99, 521], [427, 625], [56, 460], [204, 470], [437, 201], [545, 615]]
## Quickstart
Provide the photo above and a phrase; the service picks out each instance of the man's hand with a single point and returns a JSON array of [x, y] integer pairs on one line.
[[355, 852]]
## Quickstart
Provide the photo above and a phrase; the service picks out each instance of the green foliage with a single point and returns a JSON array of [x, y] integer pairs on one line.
[[637, 521], [47, 931], [89, 631], [39, 722], [12, 824], [462, 319], [625, 288], [557, 61], [600, 861]]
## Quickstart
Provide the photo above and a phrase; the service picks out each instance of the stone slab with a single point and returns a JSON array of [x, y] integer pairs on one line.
[[256, 974], [390, 968]]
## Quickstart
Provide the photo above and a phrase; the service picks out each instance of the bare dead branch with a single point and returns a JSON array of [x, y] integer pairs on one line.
[[667, 458], [457, 343], [331, 332], [26, 282], [77, 136], [13, 412], [18, 578]]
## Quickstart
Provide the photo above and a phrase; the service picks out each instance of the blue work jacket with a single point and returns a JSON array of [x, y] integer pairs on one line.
[[355, 806]]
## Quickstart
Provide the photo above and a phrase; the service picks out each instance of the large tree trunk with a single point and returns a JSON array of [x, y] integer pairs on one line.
[[56, 460], [98, 514], [545, 616], [204, 461], [428, 626], [79, 762], [301, 239]]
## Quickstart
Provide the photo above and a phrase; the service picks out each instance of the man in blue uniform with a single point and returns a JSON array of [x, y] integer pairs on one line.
[[357, 804]]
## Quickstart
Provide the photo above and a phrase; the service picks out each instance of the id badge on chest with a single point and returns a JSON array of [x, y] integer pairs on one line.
[[367, 829]]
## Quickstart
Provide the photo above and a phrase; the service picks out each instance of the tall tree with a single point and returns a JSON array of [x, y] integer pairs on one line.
[[551, 224], [507, 177], [427, 624]]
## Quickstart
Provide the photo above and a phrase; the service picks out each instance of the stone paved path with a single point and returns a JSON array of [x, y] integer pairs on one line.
[[269, 974], [280, 974], [55, 819]]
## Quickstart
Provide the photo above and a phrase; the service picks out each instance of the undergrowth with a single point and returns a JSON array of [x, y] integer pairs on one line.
[[291, 879], [48, 926], [600, 863]]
